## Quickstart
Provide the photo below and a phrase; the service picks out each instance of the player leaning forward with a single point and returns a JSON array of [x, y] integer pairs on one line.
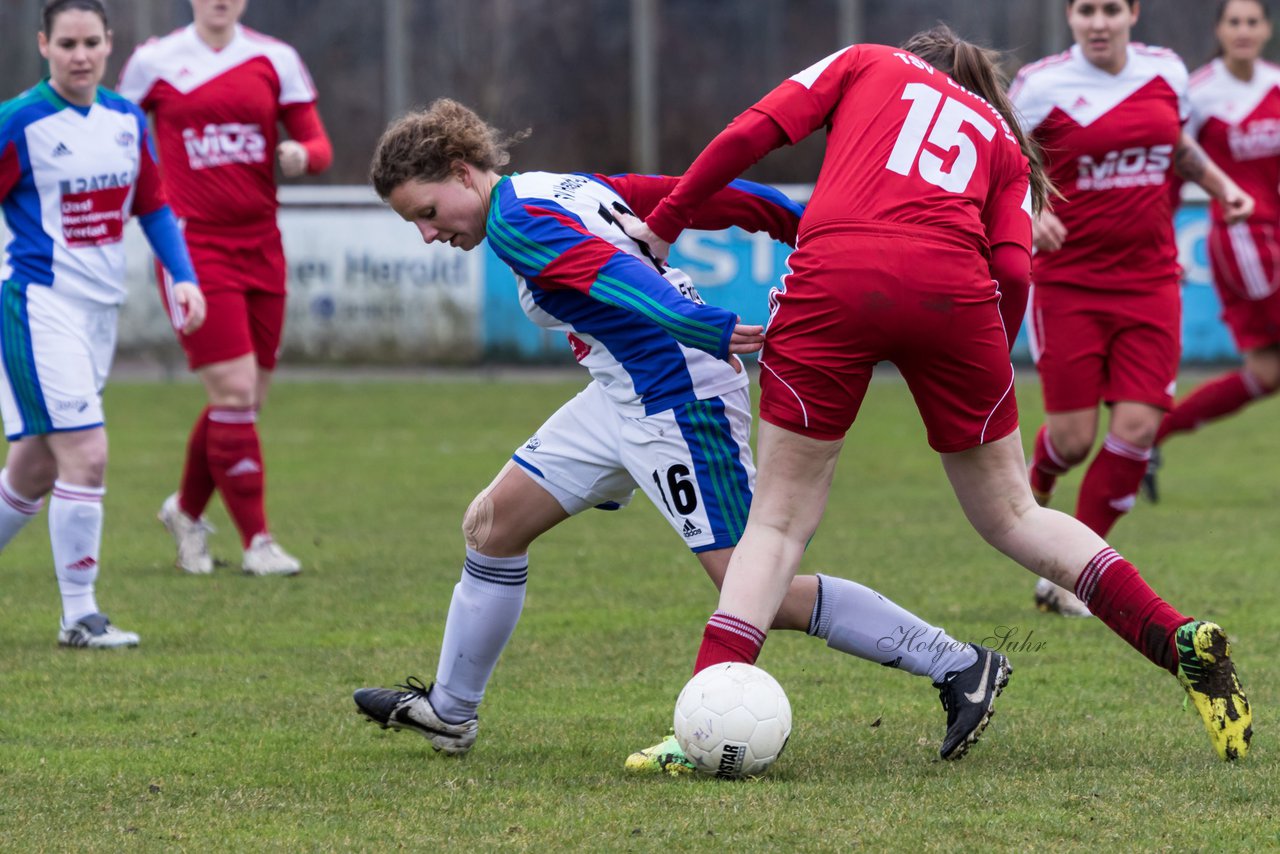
[[898, 226], [668, 411], [75, 164], [218, 92]]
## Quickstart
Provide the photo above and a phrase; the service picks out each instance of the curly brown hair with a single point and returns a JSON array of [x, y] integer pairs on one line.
[[424, 145]]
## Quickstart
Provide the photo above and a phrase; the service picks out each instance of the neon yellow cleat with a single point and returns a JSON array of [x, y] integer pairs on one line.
[[665, 756], [1206, 671]]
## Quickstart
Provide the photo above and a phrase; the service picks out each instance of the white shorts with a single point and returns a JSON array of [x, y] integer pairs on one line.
[[55, 354], [693, 461]]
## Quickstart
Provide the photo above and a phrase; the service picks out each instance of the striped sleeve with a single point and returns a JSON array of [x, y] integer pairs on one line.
[[548, 245]]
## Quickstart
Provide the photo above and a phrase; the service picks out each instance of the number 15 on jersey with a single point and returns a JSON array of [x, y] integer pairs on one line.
[[938, 120]]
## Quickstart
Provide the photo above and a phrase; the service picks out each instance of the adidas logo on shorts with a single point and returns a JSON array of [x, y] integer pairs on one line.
[[690, 529]]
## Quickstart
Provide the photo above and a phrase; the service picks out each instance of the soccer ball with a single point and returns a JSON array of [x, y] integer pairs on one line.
[[732, 720]]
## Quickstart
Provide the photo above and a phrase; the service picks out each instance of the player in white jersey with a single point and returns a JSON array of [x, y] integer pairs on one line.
[[667, 411], [1235, 116], [75, 164]]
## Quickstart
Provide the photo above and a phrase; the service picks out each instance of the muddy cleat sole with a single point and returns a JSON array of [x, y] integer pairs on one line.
[[409, 708], [968, 697], [665, 757], [1209, 677], [1052, 599], [95, 632]]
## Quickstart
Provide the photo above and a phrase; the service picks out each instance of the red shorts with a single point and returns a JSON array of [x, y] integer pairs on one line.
[[242, 274], [1245, 260], [927, 306], [1093, 347]]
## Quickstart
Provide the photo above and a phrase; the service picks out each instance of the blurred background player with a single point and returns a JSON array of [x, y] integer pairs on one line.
[[920, 178], [218, 92], [75, 164], [659, 414], [1235, 116], [1104, 323]]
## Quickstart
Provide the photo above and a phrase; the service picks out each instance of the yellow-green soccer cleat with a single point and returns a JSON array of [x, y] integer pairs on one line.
[[665, 756], [1206, 671]]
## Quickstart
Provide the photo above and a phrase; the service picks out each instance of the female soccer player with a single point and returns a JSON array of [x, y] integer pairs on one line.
[[1105, 307], [923, 174], [1235, 116], [660, 415], [218, 92], [75, 164]]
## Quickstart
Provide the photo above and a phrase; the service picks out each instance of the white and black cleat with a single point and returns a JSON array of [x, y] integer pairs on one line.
[[410, 709], [968, 697]]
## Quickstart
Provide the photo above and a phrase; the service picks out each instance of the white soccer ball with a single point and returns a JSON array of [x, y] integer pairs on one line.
[[732, 720]]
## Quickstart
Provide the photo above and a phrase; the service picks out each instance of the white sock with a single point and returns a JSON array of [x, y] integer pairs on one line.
[[15, 510], [858, 620], [75, 531], [483, 613]]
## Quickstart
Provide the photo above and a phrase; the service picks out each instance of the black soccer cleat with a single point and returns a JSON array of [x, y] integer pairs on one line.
[[410, 709], [968, 697]]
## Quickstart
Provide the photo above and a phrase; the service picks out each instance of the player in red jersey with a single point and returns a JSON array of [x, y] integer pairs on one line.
[[218, 92], [1235, 116], [1105, 305], [921, 178]]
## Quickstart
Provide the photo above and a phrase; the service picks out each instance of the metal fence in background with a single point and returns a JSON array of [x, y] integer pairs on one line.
[[606, 85]]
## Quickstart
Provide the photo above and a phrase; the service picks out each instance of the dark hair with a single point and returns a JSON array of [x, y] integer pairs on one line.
[[1218, 52], [54, 8], [424, 145], [978, 70]]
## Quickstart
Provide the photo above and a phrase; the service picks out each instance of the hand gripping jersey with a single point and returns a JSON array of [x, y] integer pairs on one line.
[[906, 146], [1238, 125], [640, 329], [217, 114], [70, 177], [1109, 141]]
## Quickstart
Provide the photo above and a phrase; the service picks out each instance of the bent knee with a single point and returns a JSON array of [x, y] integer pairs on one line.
[[477, 522]]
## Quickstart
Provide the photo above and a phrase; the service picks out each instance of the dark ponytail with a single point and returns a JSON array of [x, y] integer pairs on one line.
[[978, 70]]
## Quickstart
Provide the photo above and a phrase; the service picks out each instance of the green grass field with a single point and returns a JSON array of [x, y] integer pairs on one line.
[[232, 728]]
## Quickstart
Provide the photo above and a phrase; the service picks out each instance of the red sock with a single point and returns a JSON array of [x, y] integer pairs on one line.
[[1110, 486], [235, 459], [1117, 595], [1046, 463], [197, 481], [727, 638], [1216, 398]]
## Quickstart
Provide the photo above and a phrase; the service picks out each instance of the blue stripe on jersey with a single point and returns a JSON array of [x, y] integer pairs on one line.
[[20, 360], [655, 362], [30, 249], [529, 243], [726, 494], [769, 194]]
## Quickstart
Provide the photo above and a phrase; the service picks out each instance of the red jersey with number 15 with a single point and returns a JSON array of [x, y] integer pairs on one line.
[[906, 146], [1109, 141], [217, 115]]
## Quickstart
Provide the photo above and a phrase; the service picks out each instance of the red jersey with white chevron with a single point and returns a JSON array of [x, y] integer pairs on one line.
[[1109, 141], [1237, 123], [906, 146], [217, 115]]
